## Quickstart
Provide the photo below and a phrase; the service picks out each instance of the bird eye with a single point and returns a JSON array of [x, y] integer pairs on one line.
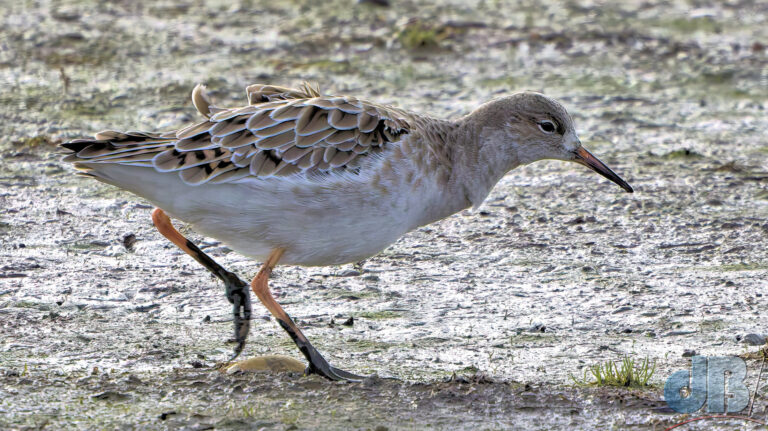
[[547, 126]]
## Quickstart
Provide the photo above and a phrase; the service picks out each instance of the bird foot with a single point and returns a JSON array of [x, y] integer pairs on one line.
[[239, 296], [317, 363], [333, 373]]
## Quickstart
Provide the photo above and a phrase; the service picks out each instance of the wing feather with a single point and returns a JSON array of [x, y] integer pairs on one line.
[[281, 132], [225, 128], [260, 120], [313, 139], [276, 141], [277, 129], [193, 130], [341, 120]]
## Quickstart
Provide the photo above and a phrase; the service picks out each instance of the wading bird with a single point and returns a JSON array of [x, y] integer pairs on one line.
[[300, 178]]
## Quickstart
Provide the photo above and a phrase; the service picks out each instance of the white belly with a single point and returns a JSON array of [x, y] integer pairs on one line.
[[317, 222], [324, 227]]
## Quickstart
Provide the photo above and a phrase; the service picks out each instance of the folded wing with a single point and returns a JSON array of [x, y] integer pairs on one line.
[[281, 132]]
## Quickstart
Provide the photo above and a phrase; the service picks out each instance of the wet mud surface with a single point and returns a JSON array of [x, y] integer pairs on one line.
[[482, 317]]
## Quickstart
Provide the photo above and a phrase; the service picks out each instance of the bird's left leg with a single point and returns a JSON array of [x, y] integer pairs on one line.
[[237, 289]]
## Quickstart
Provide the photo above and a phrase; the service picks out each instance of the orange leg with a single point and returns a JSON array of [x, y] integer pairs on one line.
[[260, 286], [317, 364], [237, 293], [237, 289]]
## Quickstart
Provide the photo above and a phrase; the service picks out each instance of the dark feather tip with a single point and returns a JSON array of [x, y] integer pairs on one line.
[[78, 145]]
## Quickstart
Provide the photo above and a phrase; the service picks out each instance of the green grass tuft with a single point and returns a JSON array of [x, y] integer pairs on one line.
[[417, 35], [377, 315], [628, 374], [36, 141]]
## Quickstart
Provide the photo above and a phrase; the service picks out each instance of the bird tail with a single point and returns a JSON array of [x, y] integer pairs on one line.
[[111, 147]]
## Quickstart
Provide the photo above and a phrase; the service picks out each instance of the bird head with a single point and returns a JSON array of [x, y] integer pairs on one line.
[[534, 127]]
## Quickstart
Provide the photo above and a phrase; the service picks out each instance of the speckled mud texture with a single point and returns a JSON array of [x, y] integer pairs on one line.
[[483, 316]]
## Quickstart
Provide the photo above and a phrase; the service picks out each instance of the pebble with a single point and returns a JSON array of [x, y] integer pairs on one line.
[[754, 339], [381, 3], [146, 307], [622, 309], [128, 241], [111, 396], [276, 363]]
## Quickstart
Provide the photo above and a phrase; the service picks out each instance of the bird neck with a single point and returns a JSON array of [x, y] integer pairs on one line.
[[481, 159]]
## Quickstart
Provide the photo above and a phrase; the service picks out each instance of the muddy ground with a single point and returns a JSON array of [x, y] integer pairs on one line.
[[559, 269]]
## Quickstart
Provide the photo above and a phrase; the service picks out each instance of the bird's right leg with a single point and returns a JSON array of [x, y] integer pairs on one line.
[[317, 364], [237, 289]]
